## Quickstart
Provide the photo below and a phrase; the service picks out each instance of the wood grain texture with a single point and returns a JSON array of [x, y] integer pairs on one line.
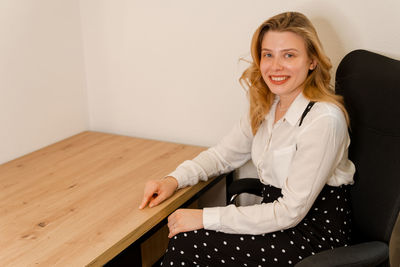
[[75, 203]]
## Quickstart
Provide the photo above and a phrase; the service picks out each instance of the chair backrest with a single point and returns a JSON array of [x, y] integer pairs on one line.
[[370, 84]]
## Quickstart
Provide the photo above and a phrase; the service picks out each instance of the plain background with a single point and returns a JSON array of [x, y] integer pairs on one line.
[[159, 69]]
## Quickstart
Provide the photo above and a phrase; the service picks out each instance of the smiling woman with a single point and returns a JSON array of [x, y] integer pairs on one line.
[[301, 160], [284, 66], [316, 84]]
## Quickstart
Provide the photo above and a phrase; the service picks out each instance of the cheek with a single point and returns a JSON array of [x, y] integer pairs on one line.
[[264, 67], [300, 71]]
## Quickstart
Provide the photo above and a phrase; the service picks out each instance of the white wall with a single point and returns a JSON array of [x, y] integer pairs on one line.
[[42, 82], [169, 69], [162, 69]]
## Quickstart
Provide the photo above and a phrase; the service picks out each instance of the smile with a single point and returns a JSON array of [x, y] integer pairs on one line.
[[278, 79]]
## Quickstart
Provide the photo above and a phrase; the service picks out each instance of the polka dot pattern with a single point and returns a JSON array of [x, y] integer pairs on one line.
[[326, 226]]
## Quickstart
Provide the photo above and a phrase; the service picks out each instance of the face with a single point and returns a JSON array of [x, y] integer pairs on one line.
[[284, 63]]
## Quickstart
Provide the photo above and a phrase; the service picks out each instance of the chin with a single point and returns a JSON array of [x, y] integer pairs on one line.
[[278, 91]]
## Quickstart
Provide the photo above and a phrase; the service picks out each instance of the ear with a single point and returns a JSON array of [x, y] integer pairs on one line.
[[313, 64]]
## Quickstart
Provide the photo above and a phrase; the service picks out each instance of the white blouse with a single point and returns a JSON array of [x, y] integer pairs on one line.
[[299, 160]]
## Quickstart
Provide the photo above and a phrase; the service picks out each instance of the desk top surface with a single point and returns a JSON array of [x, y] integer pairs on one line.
[[75, 203]]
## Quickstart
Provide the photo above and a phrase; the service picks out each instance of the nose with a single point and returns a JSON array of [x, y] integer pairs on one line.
[[276, 64]]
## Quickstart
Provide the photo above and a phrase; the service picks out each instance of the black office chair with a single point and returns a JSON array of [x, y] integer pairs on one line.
[[370, 84]]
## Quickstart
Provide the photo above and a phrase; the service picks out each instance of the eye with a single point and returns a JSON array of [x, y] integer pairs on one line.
[[289, 55], [267, 55]]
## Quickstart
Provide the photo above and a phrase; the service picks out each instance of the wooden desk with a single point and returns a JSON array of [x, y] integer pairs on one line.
[[75, 203]]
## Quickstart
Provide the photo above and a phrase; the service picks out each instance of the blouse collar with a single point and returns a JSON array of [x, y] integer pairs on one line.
[[296, 109]]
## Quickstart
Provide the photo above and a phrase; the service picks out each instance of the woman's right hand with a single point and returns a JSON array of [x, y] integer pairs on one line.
[[156, 191]]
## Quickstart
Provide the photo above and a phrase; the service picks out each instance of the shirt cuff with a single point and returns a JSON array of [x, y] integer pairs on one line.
[[211, 219], [178, 176]]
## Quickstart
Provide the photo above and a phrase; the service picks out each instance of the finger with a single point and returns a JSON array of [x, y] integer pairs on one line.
[[157, 199], [170, 224], [148, 195], [171, 216], [173, 231], [171, 234], [144, 203], [146, 199]]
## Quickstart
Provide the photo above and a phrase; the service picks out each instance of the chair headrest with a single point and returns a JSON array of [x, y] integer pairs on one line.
[[371, 82]]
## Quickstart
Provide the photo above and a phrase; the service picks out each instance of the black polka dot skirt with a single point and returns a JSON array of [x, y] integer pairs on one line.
[[326, 226]]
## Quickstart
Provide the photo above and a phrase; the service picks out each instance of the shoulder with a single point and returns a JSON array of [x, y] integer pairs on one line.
[[325, 115], [327, 110]]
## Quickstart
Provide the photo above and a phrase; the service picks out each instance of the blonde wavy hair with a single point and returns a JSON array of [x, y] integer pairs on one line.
[[317, 84]]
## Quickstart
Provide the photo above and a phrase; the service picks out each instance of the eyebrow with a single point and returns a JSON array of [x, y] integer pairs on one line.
[[283, 50]]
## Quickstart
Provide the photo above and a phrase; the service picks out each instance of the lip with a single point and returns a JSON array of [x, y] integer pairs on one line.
[[278, 79]]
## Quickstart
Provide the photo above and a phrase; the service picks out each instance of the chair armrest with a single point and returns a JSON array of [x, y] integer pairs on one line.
[[244, 185], [364, 254]]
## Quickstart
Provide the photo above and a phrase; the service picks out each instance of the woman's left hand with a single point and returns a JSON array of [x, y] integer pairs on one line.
[[184, 220]]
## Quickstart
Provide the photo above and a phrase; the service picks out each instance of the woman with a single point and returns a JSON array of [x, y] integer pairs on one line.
[[296, 135]]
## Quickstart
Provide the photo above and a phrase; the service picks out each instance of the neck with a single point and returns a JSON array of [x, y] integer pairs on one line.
[[286, 101], [283, 107]]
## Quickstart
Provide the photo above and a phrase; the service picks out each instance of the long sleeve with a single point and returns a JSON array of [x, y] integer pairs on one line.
[[232, 152], [320, 149]]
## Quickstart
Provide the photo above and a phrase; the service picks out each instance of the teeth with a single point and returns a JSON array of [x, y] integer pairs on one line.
[[278, 79]]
